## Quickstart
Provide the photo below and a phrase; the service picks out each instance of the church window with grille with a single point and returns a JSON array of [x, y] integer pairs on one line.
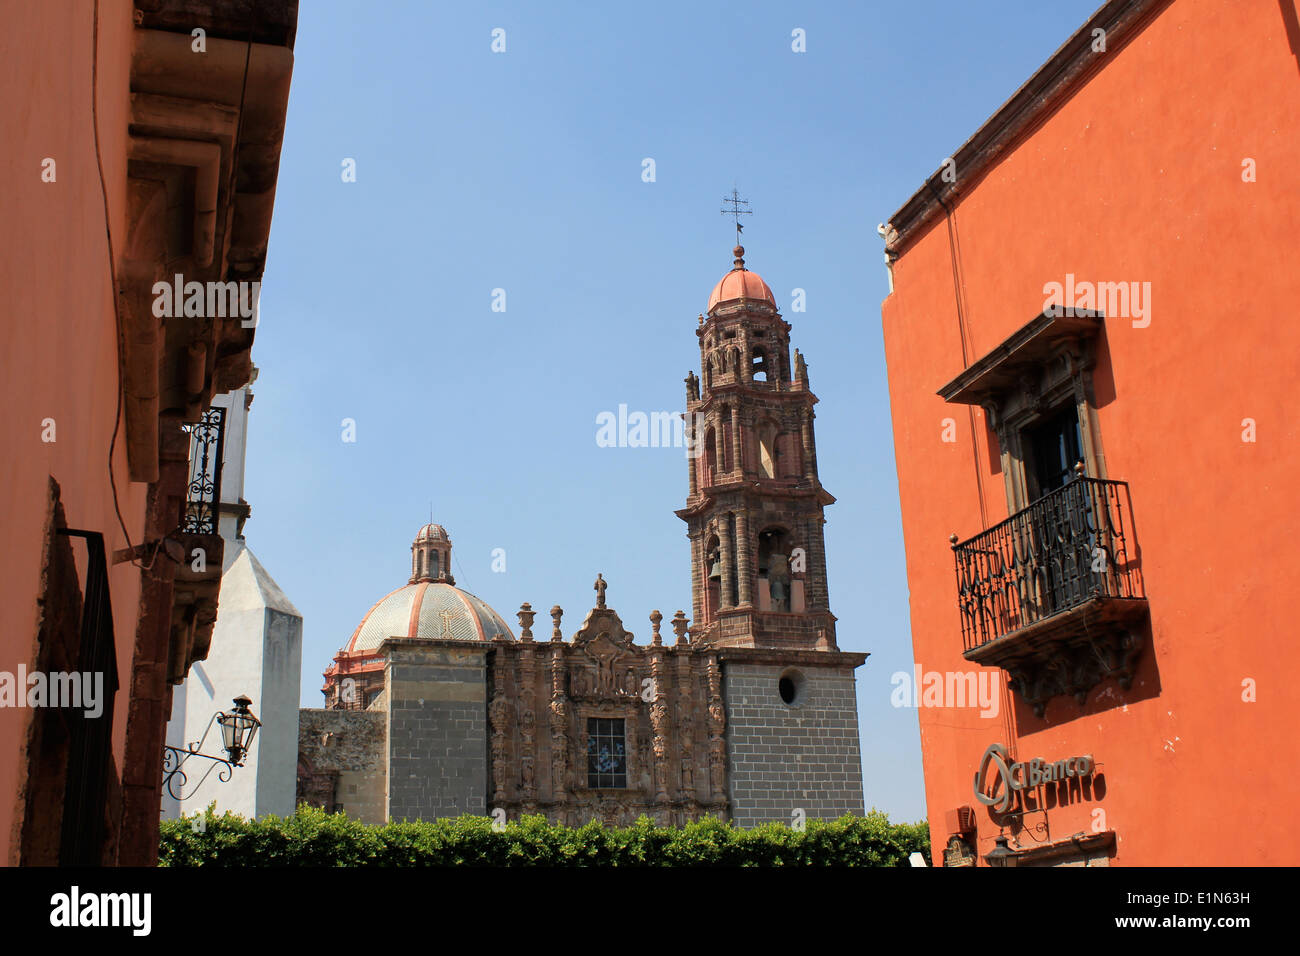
[[606, 752]]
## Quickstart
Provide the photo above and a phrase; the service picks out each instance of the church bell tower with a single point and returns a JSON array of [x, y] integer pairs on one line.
[[755, 506]]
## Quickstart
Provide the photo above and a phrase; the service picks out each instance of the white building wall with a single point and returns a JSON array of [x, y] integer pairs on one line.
[[256, 650]]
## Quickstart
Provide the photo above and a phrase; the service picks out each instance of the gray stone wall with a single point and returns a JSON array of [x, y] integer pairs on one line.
[[783, 757], [347, 746], [437, 730]]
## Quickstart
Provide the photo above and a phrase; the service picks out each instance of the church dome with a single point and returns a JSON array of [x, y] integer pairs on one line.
[[740, 283], [430, 606], [429, 610]]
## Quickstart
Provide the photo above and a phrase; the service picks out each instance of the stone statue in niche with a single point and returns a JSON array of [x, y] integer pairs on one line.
[[606, 683], [778, 576], [643, 762], [499, 713], [688, 770], [718, 770], [717, 717]]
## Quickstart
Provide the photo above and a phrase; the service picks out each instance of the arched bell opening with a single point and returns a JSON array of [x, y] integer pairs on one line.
[[712, 576]]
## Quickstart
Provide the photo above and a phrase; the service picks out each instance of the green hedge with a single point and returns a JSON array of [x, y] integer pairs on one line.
[[312, 837]]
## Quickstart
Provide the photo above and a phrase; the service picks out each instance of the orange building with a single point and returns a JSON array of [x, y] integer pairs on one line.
[[141, 144], [1090, 349]]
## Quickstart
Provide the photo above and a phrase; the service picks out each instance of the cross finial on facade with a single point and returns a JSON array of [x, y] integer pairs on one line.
[[736, 212], [600, 586]]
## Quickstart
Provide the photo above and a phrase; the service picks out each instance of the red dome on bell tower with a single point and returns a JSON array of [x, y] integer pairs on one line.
[[740, 283]]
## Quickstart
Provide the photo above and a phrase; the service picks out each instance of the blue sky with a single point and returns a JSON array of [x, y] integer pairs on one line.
[[522, 171]]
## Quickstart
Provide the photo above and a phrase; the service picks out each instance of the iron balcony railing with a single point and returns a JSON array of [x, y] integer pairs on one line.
[[203, 496], [1065, 549]]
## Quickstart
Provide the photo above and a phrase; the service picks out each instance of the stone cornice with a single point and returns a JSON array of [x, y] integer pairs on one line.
[[784, 657], [727, 390]]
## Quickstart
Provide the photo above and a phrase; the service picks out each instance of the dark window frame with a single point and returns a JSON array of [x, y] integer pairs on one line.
[[607, 769]]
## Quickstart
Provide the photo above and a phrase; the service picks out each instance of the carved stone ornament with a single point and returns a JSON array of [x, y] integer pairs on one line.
[[958, 853], [717, 718], [1076, 668], [611, 673]]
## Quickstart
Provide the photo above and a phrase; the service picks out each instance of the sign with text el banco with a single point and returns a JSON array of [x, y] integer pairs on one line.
[[1015, 777]]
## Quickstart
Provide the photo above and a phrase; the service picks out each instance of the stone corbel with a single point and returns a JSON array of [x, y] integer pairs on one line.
[[1076, 668]]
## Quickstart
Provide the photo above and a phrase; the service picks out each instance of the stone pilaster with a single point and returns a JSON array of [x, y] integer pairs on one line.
[[726, 549], [744, 558], [559, 726], [717, 726], [527, 725], [686, 726], [805, 436], [659, 724], [697, 576], [737, 442], [812, 444], [817, 595]]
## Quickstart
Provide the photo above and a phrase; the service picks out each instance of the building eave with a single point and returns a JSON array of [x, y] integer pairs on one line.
[[1054, 83]]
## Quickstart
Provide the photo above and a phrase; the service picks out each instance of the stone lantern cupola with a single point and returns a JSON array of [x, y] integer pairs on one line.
[[431, 555]]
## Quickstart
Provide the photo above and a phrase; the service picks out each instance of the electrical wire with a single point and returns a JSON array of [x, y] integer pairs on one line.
[[112, 272]]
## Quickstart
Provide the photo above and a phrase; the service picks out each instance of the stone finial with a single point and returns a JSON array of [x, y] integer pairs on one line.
[[739, 253], [556, 613], [655, 618], [599, 588], [680, 623], [526, 615], [800, 368]]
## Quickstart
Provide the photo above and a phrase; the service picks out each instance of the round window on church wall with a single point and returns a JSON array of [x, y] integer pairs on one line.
[[790, 686]]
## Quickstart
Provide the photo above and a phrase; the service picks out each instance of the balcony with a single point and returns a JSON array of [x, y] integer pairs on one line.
[[1054, 594], [203, 494], [197, 581]]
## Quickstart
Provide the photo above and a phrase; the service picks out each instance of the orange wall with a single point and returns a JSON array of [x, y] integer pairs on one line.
[[1138, 177], [58, 337]]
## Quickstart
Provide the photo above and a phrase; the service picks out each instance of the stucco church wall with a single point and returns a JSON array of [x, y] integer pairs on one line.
[[787, 757], [277, 751]]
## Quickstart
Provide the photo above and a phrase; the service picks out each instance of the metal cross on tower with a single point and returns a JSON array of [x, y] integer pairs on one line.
[[736, 212]]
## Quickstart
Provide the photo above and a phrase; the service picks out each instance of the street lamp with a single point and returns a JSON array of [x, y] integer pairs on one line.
[[1001, 854], [238, 728]]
